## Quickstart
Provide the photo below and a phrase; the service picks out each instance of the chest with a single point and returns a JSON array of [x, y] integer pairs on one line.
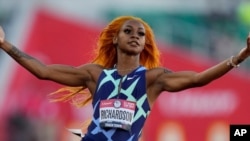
[[129, 87]]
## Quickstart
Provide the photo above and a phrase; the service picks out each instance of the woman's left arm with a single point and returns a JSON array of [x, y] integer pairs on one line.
[[178, 81]]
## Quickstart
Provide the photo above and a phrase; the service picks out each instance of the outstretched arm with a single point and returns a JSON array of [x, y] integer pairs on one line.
[[63, 74], [187, 79]]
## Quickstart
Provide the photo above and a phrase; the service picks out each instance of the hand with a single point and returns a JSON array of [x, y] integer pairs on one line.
[[2, 35], [245, 52]]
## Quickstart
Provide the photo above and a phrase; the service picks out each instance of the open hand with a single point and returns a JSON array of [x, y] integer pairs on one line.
[[2, 35]]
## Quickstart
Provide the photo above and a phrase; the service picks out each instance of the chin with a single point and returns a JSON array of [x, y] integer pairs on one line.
[[133, 52]]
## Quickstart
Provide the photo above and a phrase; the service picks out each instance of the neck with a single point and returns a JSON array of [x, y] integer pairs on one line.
[[125, 71], [127, 64]]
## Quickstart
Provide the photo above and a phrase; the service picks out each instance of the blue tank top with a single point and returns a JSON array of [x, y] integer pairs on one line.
[[131, 88]]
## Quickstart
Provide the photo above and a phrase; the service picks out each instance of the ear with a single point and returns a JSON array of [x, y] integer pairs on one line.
[[115, 40]]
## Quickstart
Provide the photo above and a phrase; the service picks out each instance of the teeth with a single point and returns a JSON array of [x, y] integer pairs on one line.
[[133, 43]]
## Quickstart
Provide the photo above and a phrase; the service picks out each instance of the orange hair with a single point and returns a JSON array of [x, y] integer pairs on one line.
[[106, 53], [106, 57]]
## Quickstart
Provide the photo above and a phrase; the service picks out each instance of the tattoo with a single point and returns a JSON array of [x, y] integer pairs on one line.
[[167, 71], [17, 54]]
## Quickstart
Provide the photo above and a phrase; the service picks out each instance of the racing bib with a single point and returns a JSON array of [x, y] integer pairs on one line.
[[117, 113]]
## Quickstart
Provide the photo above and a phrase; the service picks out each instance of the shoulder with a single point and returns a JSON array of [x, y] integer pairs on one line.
[[91, 67], [153, 74], [157, 71], [94, 70], [154, 81]]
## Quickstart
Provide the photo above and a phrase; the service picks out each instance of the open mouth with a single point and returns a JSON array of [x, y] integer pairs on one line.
[[133, 43]]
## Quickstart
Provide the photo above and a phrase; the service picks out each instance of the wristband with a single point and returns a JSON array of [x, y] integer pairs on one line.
[[231, 63]]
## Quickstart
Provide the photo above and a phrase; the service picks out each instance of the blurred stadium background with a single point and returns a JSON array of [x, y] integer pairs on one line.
[[192, 35]]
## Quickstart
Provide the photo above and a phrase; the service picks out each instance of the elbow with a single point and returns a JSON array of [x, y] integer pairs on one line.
[[199, 84], [41, 75]]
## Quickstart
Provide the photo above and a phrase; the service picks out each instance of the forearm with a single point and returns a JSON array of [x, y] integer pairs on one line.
[[31, 64], [219, 70]]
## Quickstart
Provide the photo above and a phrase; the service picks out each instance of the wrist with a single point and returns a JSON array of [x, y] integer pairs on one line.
[[238, 59], [234, 61], [6, 46], [2, 43]]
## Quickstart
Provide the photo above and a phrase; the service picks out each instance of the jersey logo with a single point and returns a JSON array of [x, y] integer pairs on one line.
[[132, 77]]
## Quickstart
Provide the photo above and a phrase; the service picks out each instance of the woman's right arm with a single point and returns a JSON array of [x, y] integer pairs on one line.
[[63, 74]]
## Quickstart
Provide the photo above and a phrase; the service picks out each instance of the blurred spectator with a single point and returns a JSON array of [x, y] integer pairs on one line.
[[19, 128]]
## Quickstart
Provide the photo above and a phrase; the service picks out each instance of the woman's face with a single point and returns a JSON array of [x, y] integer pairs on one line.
[[131, 37]]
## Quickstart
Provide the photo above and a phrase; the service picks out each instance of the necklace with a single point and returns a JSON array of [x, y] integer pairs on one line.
[[121, 79]]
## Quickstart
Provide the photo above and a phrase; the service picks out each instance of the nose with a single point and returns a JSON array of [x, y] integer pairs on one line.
[[135, 35]]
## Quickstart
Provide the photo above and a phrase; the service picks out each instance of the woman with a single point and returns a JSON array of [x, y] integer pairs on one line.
[[124, 79]]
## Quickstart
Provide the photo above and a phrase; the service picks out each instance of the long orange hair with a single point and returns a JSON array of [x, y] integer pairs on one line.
[[106, 56]]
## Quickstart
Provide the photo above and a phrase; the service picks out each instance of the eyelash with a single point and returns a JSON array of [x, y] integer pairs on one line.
[[141, 33], [127, 31]]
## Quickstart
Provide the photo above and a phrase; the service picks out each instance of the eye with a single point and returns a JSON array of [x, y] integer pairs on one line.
[[127, 31], [141, 33]]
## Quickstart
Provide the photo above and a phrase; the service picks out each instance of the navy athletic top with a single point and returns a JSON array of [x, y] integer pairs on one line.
[[131, 87]]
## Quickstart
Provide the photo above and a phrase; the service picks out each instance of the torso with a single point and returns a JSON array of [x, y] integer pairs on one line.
[[152, 89], [133, 90]]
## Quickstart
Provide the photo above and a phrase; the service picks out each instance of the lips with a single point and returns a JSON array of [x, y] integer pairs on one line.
[[134, 43]]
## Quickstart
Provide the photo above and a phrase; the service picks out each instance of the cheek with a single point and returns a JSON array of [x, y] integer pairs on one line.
[[143, 43], [122, 38]]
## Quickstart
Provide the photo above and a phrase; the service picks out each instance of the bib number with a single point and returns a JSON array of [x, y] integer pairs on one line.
[[117, 113]]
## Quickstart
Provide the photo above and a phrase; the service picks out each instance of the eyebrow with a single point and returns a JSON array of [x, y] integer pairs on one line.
[[132, 27]]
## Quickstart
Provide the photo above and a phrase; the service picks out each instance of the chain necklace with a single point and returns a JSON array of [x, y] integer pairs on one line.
[[121, 79]]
